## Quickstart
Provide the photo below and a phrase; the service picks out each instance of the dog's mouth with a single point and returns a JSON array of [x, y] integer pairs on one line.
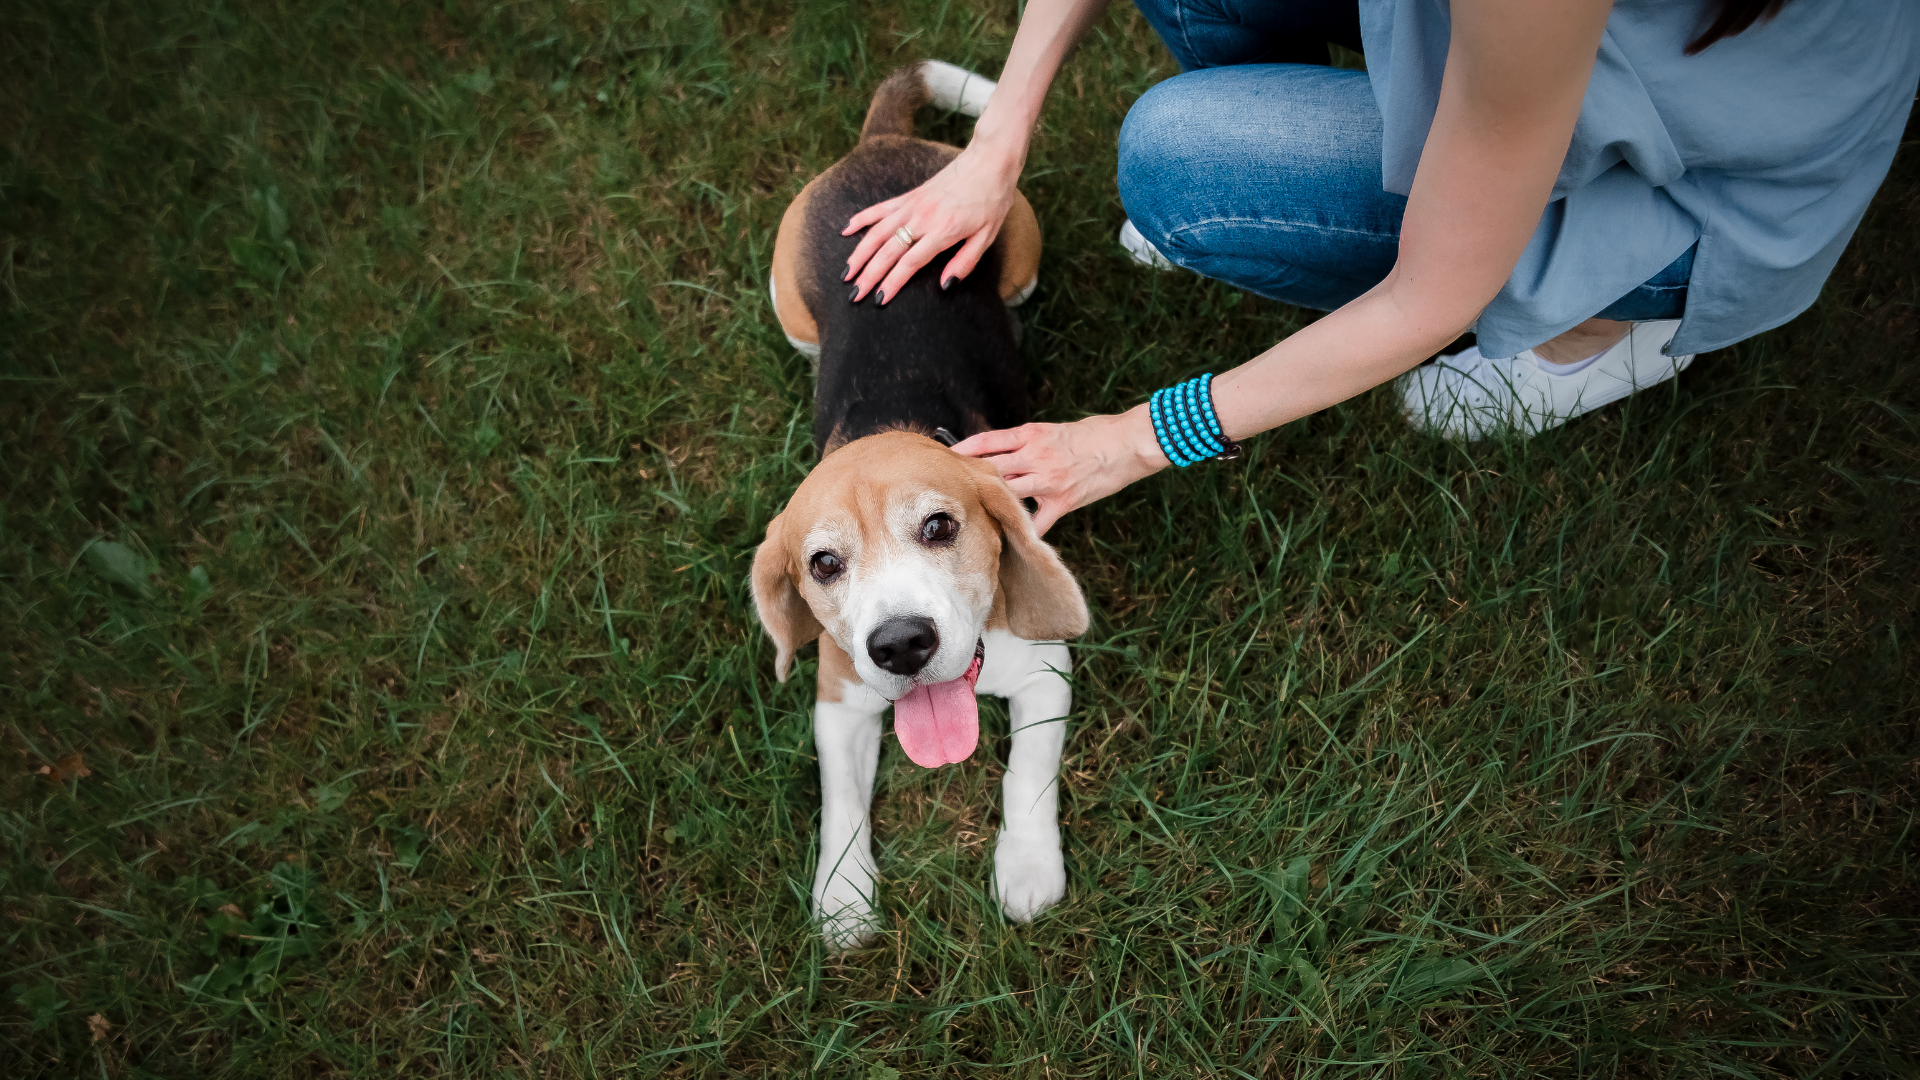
[[939, 724]]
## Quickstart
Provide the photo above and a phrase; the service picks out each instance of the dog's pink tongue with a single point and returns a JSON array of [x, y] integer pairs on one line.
[[939, 724]]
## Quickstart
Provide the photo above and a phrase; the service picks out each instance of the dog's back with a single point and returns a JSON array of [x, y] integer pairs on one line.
[[928, 358]]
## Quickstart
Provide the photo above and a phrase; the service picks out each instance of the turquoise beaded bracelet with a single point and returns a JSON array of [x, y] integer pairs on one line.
[[1185, 424]]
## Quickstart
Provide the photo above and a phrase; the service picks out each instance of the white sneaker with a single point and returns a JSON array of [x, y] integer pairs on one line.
[[1468, 396], [1142, 249]]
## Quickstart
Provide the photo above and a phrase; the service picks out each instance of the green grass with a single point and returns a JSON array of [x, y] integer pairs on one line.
[[391, 406]]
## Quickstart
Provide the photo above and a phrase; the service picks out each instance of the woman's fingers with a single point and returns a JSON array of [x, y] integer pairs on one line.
[[1025, 485], [874, 257], [968, 256], [1020, 462], [1047, 512], [1002, 441], [874, 240], [911, 260], [871, 214], [893, 263], [888, 251], [1049, 507]]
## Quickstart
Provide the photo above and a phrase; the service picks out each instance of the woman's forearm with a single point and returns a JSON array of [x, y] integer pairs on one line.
[[1049, 29], [1515, 77], [1369, 341]]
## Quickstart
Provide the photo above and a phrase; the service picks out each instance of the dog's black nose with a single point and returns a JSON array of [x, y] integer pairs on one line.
[[903, 644]]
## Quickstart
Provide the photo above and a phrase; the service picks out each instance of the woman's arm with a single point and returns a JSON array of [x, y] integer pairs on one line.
[[1516, 73], [968, 200]]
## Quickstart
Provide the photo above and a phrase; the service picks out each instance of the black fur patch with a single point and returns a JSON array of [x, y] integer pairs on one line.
[[929, 358]]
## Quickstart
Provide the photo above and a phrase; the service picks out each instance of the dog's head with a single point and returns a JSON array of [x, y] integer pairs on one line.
[[898, 549]]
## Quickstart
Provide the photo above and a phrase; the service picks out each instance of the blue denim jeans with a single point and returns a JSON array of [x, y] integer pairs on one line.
[[1267, 175]]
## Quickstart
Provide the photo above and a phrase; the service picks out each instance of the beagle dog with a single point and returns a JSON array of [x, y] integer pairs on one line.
[[917, 569]]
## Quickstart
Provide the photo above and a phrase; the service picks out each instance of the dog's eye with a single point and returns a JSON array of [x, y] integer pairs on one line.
[[826, 566], [938, 529]]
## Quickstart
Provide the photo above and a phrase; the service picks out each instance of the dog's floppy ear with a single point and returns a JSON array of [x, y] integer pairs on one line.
[[1044, 603], [783, 611]]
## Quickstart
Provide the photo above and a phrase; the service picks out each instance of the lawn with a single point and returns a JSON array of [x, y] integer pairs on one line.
[[392, 404]]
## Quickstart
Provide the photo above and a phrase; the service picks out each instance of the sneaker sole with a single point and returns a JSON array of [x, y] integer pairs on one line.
[[1140, 250]]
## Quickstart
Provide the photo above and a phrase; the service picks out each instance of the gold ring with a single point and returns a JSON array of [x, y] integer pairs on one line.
[[905, 236]]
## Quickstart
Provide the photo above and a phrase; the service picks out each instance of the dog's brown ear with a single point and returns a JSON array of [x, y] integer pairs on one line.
[[1044, 603], [783, 611]]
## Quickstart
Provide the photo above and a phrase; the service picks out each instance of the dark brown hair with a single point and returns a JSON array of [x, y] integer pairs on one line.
[[1734, 17]]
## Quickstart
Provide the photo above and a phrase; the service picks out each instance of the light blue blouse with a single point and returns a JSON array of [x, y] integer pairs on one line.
[[1764, 150]]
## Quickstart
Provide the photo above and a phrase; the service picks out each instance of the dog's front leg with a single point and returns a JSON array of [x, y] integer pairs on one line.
[[846, 732], [1029, 873]]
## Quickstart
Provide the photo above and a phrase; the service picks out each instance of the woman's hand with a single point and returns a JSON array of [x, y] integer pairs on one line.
[[1066, 466], [966, 201]]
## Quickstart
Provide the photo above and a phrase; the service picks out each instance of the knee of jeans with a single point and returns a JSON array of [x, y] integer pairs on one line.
[[1154, 160]]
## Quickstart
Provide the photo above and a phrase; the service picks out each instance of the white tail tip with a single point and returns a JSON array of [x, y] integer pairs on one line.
[[955, 87]]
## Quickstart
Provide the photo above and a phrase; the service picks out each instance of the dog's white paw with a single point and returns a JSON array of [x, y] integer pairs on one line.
[[843, 906], [1029, 876]]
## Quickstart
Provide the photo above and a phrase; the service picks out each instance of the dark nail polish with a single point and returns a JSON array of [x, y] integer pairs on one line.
[[854, 296], [944, 282], [882, 295], [848, 276]]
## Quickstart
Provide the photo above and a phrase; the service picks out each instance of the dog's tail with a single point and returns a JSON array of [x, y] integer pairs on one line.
[[929, 81]]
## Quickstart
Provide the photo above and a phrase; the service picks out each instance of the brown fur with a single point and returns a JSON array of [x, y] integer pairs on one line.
[[788, 619], [836, 671], [895, 102], [789, 252], [1042, 601]]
